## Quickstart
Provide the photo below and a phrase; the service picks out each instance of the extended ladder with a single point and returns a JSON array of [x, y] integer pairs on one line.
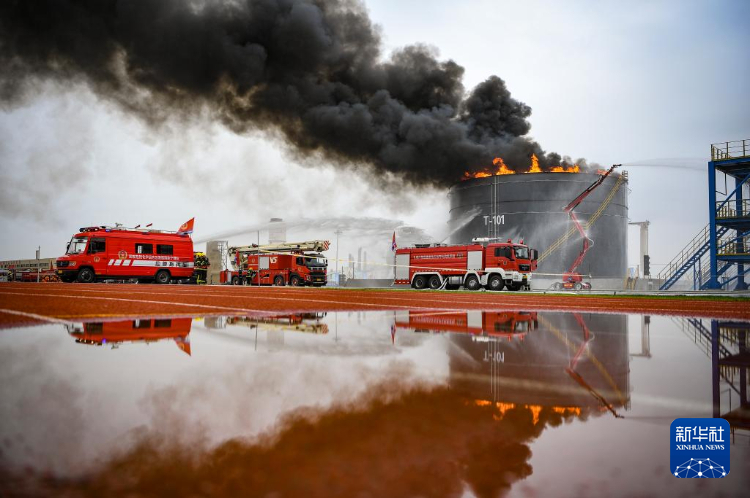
[[587, 224]]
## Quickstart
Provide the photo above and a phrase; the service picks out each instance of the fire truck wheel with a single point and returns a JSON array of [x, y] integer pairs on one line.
[[278, 281], [496, 283], [435, 282], [578, 286], [86, 275], [472, 282], [514, 286], [235, 280], [419, 282], [557, 286], [295, 281], [162, 277]]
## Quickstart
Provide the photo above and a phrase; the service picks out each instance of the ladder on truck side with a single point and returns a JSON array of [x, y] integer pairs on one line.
[[285, 247]]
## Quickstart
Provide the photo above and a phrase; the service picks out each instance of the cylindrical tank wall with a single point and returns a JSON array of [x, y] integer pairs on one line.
[[530, 206], [533, 369]]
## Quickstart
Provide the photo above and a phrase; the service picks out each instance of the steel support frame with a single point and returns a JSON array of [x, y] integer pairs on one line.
[[715, 377], [713, 279], [741, 284]]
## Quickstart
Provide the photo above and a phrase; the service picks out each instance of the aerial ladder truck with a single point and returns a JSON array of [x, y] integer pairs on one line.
[[571, 278], [288, 263]]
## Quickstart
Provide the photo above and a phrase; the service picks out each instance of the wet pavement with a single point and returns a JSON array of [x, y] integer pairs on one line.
[[376, 403]]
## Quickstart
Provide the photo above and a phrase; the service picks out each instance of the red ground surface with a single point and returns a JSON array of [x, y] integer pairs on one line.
[[26, 303]]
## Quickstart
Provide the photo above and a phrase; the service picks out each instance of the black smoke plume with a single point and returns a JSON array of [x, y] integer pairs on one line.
[[310, 69]]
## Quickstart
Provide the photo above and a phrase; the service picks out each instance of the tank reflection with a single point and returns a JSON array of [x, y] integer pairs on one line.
[[513, 358], [117, 332]]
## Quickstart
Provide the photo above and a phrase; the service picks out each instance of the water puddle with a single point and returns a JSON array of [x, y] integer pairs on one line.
[[366, 403]]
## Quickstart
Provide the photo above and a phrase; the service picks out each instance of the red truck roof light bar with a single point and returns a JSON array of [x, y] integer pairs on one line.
[[495, 240], [105, 228]]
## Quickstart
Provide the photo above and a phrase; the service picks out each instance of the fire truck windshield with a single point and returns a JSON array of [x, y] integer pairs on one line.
[[77, 245], [521, 252], [315, 261]]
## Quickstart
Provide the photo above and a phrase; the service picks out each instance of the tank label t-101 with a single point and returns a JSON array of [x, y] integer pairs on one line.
[[495, 220]]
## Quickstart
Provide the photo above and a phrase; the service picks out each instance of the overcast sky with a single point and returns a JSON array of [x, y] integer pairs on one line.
[[615, 82]]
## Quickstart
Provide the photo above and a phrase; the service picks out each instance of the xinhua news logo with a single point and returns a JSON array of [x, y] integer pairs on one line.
[[699, 447]]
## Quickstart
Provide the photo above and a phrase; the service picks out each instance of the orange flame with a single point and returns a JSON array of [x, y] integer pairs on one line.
[[562, 169], [534, 165], [503, 169], [535, 409]]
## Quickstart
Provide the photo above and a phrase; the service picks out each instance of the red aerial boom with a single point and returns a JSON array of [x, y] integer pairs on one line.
[[571, 278]]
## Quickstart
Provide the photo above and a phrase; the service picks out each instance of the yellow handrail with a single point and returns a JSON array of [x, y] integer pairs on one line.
[[736, 149]]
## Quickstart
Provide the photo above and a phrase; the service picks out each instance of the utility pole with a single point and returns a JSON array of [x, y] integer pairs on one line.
[[338, 275], [258, 273], [644, 259], [38, 250]]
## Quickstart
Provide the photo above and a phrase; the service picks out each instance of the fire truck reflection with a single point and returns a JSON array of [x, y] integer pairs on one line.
[[297, 322], [147, 330], [505, 324]]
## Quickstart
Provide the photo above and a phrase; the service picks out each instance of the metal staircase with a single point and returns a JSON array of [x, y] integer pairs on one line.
[[689, 258]]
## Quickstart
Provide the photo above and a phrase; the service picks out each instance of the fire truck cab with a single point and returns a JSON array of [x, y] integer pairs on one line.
[[98, 253], [483, 263]]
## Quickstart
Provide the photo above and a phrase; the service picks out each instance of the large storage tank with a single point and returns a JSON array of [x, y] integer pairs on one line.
[[529, 206]]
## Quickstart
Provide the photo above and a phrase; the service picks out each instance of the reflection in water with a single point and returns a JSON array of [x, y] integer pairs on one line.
[[298, 322], [116, 332], [509, 375], [424, 443], [500, 356], [726, 343]]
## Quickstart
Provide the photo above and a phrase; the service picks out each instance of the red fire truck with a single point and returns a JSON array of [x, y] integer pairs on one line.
[[147, 330], [290, 263], [98, 253], [483, 263], [505, 324]]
